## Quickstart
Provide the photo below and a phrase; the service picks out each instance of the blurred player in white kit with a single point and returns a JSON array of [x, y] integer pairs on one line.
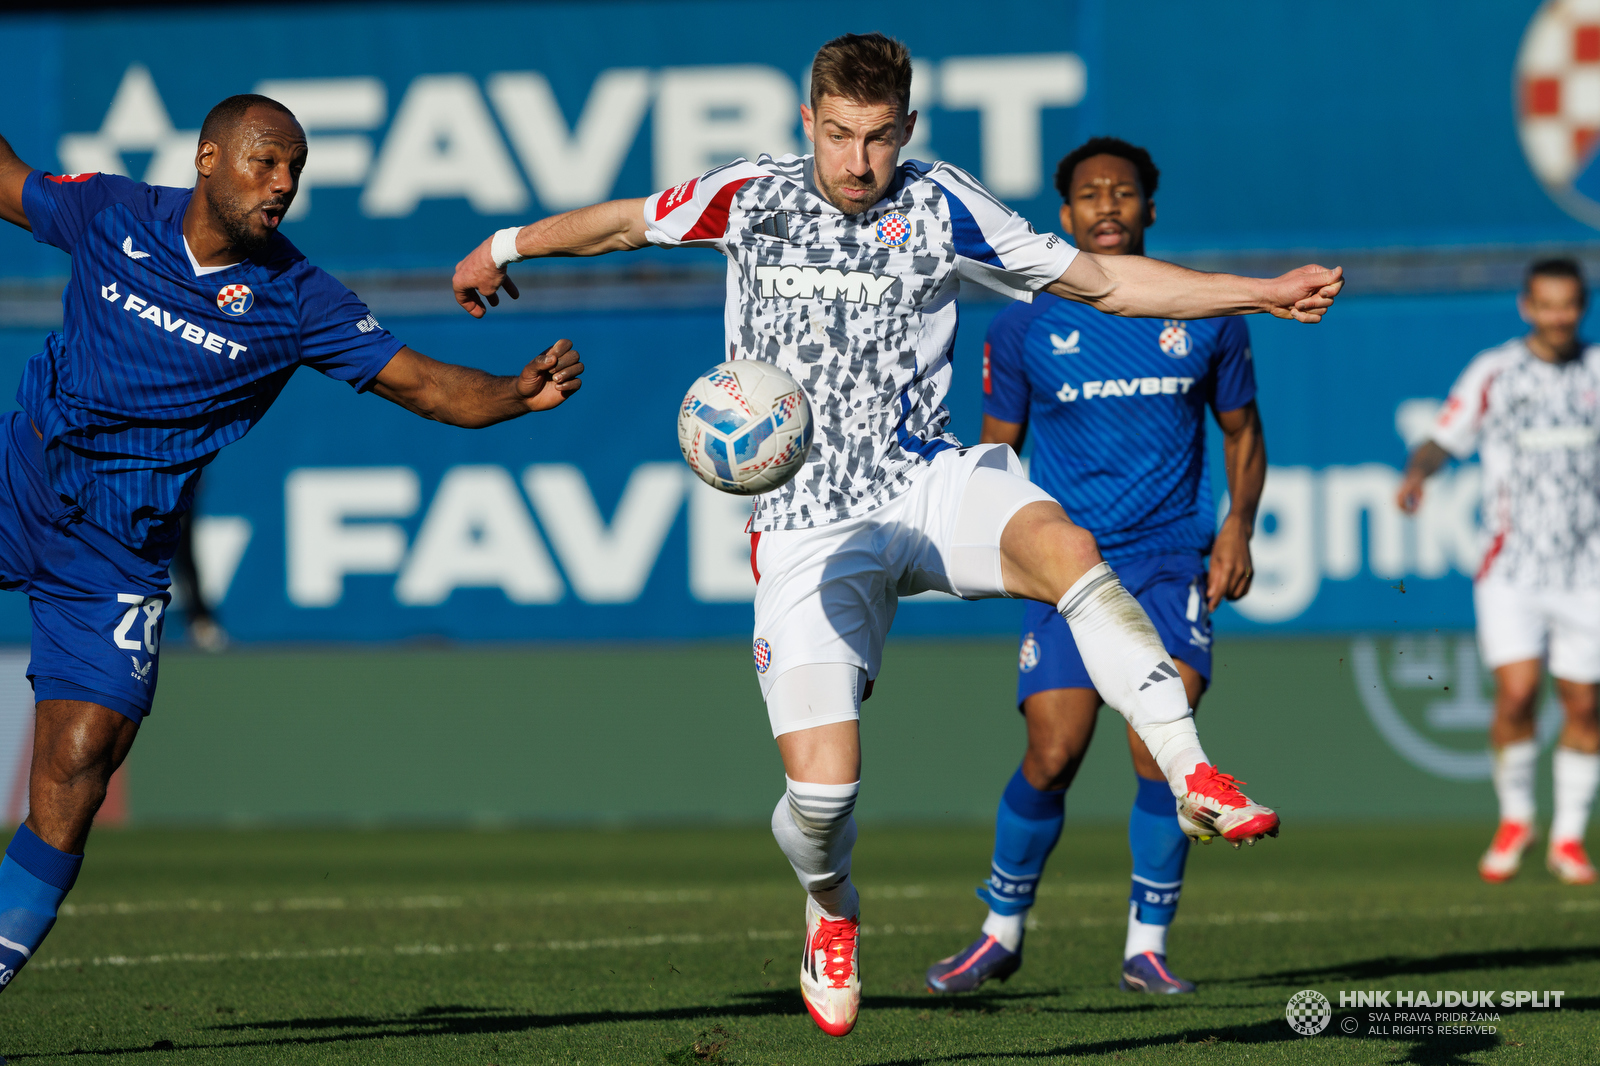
[[1530, 408], [844, 269]]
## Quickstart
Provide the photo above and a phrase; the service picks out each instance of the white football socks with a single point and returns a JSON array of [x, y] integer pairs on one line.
[[1006, 928], [1130, 669], [815, 828], [1513, 780], [1577, 773], [1142, 937]]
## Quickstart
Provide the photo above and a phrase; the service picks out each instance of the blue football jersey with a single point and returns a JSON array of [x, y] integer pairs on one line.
[[157, 368], [1116, 408]]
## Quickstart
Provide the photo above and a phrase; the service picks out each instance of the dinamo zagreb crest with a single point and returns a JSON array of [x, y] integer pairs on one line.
[[1557, 86]]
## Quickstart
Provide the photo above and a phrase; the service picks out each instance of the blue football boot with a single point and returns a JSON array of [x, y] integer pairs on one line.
[[1148, 973], [985, 959]]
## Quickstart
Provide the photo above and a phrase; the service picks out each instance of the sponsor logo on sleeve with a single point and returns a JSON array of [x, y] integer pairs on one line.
[[675, 198]]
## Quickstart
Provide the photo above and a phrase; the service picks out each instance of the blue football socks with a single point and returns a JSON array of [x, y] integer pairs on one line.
[[34, 879], [1159, 852], [1025, 832]]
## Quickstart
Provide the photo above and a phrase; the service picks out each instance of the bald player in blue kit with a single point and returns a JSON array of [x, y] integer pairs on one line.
[[1117, 409], [185, 316]]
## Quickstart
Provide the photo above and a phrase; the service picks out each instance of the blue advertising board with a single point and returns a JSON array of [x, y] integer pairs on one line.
[[432, 124], [343, 518]]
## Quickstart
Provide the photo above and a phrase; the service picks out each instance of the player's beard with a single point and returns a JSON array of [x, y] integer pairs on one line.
[[831, 191], [237, 221]]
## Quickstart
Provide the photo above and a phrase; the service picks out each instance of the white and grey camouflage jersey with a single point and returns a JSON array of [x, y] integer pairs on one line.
[[1536, 428], [859, 309]]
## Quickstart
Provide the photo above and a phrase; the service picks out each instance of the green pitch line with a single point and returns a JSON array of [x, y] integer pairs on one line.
[[639, 946], [679, 733]]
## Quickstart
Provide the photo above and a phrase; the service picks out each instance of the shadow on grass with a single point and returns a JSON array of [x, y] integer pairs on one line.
[[457, 1020], [1397, 965], [1443, 1051]]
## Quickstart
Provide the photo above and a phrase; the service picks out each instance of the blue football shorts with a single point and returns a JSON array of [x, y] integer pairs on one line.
[[97, 605], [1172, 590]]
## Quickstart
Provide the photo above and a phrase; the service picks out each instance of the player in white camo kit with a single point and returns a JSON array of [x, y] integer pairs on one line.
[[1531, 410], [843, 269]]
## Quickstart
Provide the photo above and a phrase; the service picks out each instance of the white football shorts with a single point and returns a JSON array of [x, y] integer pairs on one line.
[[828, 595], [1561, 626]]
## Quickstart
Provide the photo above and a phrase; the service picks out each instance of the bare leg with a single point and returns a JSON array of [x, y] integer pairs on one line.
[[1045, 557], [1580, 731], [1060, 726], [1516, 691], [1577, 777], [826, 754], [77, 746]]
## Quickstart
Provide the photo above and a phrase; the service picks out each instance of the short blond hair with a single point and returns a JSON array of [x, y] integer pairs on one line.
[[863, 68]]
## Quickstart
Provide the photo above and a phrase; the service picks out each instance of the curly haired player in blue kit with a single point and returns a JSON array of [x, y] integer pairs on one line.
[[186, 314], [1117, 406]]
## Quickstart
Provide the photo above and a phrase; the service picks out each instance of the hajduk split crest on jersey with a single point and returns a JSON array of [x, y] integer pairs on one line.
[[865, 325]]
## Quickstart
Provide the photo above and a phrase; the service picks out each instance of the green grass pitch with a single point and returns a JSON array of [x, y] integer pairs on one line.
[[680, 945]]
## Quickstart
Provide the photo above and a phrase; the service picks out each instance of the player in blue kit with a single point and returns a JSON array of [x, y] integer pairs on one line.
[[185, 316], [1117, 408]]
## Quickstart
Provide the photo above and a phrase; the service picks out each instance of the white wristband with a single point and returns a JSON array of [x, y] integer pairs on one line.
[[503, 248]]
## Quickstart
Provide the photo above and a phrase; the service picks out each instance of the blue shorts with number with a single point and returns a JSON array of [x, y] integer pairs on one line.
[[1171, 589], [97, 604]]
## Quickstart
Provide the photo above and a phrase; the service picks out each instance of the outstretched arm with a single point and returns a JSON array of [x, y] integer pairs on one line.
[[1136, 287], [472, 399], [614, 226], [1424, 462], [13, 172]]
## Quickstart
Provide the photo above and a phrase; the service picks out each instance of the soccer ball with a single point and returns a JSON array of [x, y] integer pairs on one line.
[[745, 427]]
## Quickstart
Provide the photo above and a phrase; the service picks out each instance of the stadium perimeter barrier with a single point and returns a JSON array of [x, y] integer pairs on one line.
[[341, 519]]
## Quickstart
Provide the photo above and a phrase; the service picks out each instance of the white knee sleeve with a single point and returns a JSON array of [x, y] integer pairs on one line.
[[1131, 670], [816, 828], [814, 694]]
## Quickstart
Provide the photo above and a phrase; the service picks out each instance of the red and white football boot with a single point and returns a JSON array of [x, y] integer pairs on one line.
[[830, 976], [1213, 806], [1504, 857], [1569, 862]]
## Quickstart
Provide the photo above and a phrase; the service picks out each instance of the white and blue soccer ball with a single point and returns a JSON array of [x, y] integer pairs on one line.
[[745, 427]]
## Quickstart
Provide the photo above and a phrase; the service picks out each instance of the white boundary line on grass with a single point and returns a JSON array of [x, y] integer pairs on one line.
[[662, 939], [121, 908]]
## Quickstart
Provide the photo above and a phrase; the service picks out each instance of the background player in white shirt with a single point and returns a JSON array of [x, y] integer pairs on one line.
[[1531, 409], [844, 269]]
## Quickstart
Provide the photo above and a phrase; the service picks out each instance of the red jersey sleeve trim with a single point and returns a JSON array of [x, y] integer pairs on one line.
[[713, 221]]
